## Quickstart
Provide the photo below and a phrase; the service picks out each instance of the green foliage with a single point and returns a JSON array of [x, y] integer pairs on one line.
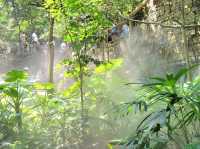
[[39, 116], [179, 109], [192, 146], [114, 64], [44, 86], [15, 75], [82, 23]]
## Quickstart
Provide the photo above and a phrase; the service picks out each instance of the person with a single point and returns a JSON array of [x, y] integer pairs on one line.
[[35, 42], [109, 36], [63, 46], [114, 29], [23, 43], [125, 31], [35, 38], [112, 33]]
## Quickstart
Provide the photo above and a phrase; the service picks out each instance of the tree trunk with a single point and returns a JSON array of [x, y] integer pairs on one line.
[[103, 50], [20, 51], [185, 45], [81, 91], [51, 49]]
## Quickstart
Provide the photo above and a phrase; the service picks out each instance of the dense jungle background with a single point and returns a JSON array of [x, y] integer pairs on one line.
[[99, 74]]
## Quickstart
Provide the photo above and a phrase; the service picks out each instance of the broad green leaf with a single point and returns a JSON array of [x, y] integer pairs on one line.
[[44, 86], [15, 75], [114, 64]]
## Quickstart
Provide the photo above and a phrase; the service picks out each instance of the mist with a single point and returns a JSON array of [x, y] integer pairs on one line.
[[97, 95], [35, 62]]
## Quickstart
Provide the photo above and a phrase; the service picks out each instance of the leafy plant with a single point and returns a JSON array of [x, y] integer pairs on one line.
[[15, 89], [180, 107]]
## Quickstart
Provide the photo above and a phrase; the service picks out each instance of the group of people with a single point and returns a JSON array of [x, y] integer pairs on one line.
[[28, 45]]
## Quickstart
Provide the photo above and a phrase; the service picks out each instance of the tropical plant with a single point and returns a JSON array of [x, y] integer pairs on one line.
[[179, 108]]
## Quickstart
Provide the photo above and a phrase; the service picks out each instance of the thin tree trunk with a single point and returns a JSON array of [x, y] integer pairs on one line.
[[185, 45], [51, 49], [81, 79], [81, 90], [19, 40], [103, 51], [108, 54]]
